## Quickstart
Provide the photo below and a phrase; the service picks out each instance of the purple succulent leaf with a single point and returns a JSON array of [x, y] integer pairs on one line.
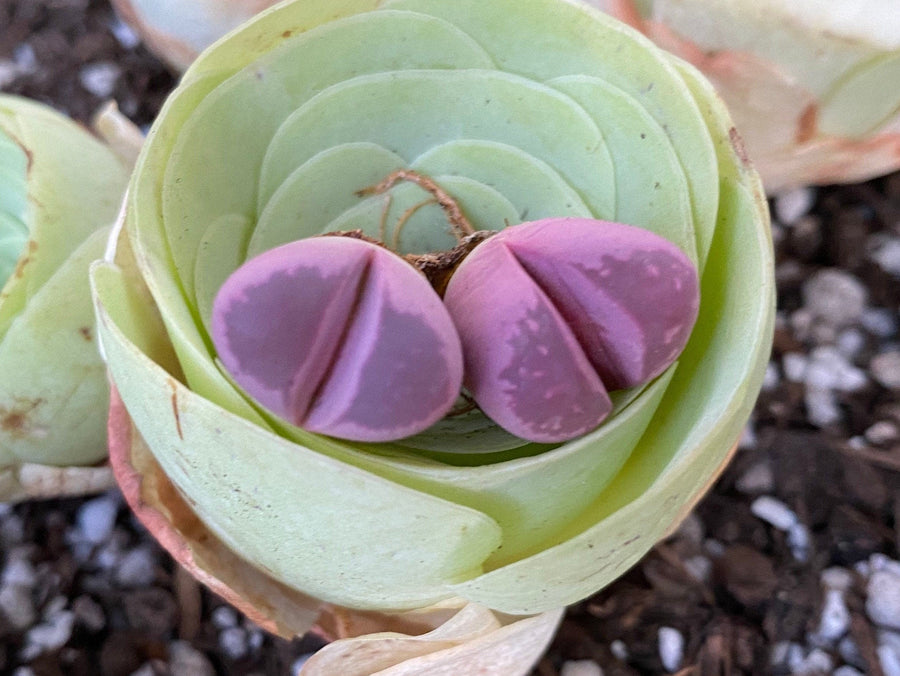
[[341, 337], [624, 298], [523, 364], [629, 295]]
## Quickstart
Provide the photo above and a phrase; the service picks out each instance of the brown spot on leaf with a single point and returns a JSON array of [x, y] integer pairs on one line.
[[737, 143], [86, 333], [29, 158], [808, 123], [25, 259], [15, 421], [175, 411]]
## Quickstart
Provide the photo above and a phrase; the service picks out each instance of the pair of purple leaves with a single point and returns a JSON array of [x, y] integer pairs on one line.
[[539, 322]]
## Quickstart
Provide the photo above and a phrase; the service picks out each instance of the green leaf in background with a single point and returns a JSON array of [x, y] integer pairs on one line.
[[60, 190]]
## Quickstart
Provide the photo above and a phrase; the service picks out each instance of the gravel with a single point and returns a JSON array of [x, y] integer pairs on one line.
[[791, 564]]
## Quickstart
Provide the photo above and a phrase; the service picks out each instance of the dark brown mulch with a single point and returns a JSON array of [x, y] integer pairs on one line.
[[745, 596]]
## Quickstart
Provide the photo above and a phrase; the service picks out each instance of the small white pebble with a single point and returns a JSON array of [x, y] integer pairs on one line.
[[12, 530], [885, 251], [671, 648], [17, 606], [792, 205], [857, 442], [9, 71], [619, 650], [889, 661], [580, 668], [257, 638], [801, 323], [846, 670], [757, 479], [780, 653], [224, 617], [885, 368], [794, 366], [146, 669], [124, 34], [88, 613], [880, 561], [56, 605], [699, 567], [95, 518], [821, 407], [772, 377], [19, 572], [774, 512], [850, 342], [815, 663], [137, 568], [110, 553], [25, 58], [889, 638], [828, 369], [795, 656], [100, 78], [835, 619], [849, 652], [883, 599], [51, 633], [713, 547], [880, 322], [835, 297], [836, 578], [185, 660], [233, 642], [798, 540], [882, 432]]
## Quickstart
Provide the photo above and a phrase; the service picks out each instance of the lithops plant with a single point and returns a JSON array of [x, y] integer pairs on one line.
[[356, 344], [812, 85], [519, 111], [60, 189], [555, 314]]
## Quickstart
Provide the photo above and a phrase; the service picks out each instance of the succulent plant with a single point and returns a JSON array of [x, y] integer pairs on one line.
[[812, 85], [520, 111], [554, 314], [355, 343], [55, 216]]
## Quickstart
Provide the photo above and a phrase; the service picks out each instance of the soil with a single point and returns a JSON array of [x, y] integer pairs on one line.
[[744, 595]]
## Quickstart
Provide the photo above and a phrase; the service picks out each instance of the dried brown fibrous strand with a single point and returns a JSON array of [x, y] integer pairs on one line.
[[458, 221], [439, 266]]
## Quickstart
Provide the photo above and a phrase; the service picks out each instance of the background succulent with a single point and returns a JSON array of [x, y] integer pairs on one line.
[[811, 85], [60, 189]]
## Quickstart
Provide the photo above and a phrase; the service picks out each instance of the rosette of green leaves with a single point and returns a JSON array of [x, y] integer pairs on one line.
[[60, 189], [521, 110]]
